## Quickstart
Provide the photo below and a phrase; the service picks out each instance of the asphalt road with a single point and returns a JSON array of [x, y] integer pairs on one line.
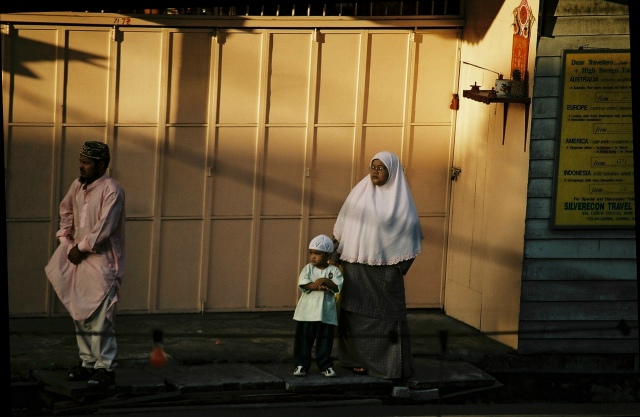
[[370, 408]]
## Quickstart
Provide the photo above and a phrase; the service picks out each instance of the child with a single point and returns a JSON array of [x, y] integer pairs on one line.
[[316, 313]]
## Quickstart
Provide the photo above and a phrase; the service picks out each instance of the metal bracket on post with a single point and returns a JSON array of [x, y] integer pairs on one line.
[[455, 171]]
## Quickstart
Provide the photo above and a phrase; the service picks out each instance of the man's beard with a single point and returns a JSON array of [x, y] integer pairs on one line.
[[83, 179]]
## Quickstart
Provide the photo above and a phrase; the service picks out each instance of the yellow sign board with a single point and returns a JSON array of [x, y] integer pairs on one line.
[[594, 182]]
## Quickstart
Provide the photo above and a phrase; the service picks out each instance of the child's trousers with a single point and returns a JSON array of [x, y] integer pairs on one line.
[[308, 332]]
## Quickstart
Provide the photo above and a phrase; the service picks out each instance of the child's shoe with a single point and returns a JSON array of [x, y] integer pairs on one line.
[[329, 372], [300, 371]]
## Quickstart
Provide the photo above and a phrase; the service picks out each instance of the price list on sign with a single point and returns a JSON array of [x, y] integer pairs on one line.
[[594, 181]]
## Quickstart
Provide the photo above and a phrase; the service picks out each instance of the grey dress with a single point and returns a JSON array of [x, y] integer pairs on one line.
[[373, 331]]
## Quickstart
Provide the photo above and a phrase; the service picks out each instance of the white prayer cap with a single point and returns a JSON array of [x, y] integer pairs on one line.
[[322, 243]]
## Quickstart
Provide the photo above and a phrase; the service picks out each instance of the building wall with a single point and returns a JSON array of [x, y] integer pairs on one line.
[[579, 287], [235, 148], [489, 197]]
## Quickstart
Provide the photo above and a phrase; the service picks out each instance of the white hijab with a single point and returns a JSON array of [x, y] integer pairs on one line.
[[379, 225]]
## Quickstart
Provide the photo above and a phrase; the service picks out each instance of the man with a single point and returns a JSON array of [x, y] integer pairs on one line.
[[87, 268]]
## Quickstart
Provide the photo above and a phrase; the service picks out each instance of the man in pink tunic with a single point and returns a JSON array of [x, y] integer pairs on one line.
[[87, 267]]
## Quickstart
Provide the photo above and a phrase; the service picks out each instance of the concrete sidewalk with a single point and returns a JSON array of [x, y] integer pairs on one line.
[[234, 357], [231, 358], [243, 337]]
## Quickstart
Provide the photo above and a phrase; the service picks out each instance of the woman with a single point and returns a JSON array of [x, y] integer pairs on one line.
[[378, 234]]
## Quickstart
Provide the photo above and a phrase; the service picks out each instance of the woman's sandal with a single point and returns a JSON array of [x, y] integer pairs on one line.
[[359, 370]]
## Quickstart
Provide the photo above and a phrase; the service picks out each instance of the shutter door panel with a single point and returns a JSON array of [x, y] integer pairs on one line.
[[35, 146], [230, 265], [330, 171], [136, 284], [179, 266], [27, 284], [134, 165], [436, 76], [240, 68], [387, 76], [428, 169], [288, 78], [189, 73], [283, 172], [139, 72], [234, 171], [277, 283], [34, 81], [184, 171], [88, 64], [338, 77]]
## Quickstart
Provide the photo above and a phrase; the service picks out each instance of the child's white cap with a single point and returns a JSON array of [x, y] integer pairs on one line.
[[322, 243]]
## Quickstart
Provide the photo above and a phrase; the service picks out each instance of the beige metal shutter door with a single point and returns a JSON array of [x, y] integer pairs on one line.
[[235, 168], [135, 162], [234, 148], [430, 158], [29, 144]]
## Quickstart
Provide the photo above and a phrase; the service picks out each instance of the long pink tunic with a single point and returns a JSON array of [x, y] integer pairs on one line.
[[94, 219]]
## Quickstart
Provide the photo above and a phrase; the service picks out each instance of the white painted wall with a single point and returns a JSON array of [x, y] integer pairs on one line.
[[489, 198]]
